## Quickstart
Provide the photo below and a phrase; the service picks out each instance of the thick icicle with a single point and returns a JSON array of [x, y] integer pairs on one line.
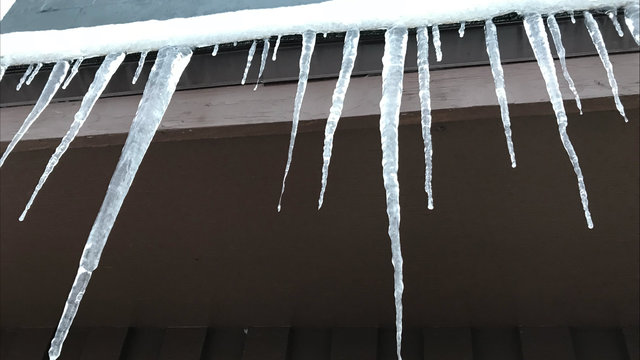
[[24, 77], [216, 47], [422, 37], [612, 13], [308, 43], [275, 48], [537, 35], [162, 82], [56, 77], [74, 71], [491, 40], [252, 51], [263, 61], [136, 75], [392, 72], [632, 19], [349, 53], [596, 37], [557, 41], [33, 74], [103, 75], [572, 16], [435, 32], [463, 25]]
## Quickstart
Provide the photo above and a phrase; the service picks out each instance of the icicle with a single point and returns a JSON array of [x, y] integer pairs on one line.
[[493, 50], [162, 82], [557, 41], [324, 35], [235, 43], [572, 16], [632, 19], [537, 35], [422, 37], [56, 77], [275, 48], [435, 31], [308, 43], [263, 61], [596, 37], [216, 47], [252, 51], [74, 71], [2, 70], [349, 53], [24, 77], [103, 75], [33, 74], [136, 75], [461, 30], [612, 13], [392, 72]]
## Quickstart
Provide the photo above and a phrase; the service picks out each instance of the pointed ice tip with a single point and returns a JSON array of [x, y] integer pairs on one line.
[[21, 218], [430, 206], [278, 207], [513, 165], [255, 87]]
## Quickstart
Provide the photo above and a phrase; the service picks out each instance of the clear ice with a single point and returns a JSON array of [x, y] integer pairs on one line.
[[252, 51], [435, 32], [537, 35], [308, 43], [632, 19], [33, 74], [491, 40], [103, 75], [612, 13], [216, 47], [263, 61], [275, 48], [24, 77], [557, 41], [56, 77], [349, 53], [596, 37], [158, 91], [461, 30], [74, 71], [136, 75], [395, 49], [422, 38]]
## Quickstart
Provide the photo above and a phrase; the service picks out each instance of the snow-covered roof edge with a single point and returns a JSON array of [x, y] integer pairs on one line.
[[330, 16]]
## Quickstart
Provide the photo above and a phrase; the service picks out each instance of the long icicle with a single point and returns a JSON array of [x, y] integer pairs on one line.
[[263, 61], [349, 53], [33, 74], [632, 19], [612, 13], [136, 75], [24, 77], [74, 71], [275, 48], [422, 37], [395, 49], [557, 42], [308, 43], [598, 42], [103, 75], [537, 35], [437, 45], [161, 85], [493, 50], [56, 77], [252, 51]]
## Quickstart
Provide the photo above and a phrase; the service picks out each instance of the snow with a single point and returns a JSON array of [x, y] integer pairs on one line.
[[422, 38], [164, 76], [557, 41], [252, 51]]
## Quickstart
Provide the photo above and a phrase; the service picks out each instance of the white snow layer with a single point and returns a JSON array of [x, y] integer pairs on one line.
[[329, 16]]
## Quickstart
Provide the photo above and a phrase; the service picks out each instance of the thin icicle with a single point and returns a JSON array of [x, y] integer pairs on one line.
[[275, 48], [612, 13], [493, 50], [395, 49], [422, 37], [557, 41], [235, 43], [103, 75], [596, 37], [74, 71], [263, 61], [33, 74], [2, 70], [463, 25], [537, 35], [572, 16], [632, 19], [435, 32], [136, 75], [161, 85], [252, 51], [308, 43], [349, 53], [24, 77], [324, 35], [216, 47], [56, 77]]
